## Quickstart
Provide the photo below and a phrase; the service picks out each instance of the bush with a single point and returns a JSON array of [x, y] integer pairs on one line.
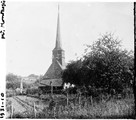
[[32, 91]]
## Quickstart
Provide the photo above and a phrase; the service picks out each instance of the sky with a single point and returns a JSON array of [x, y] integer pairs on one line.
[[31, 31]]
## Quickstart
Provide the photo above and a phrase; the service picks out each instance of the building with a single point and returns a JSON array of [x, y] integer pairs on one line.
[[30, 79], [53, 75]]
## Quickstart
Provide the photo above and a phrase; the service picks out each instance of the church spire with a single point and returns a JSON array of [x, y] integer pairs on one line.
[[58, 38]]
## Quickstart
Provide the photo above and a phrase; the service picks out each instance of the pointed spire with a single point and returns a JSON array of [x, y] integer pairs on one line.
[[58, 38]]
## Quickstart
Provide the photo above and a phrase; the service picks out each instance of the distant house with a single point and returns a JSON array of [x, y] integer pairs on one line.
[[30, 79]]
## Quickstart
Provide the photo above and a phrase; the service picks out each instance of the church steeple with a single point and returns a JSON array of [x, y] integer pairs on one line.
[[58, 52], [58, 37], [54, 72]]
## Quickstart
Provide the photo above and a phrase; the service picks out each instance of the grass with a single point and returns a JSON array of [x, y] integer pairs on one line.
[[113, 108]]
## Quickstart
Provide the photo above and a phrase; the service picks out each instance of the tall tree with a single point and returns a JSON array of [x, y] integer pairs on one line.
[[105, 65], [112, 66]]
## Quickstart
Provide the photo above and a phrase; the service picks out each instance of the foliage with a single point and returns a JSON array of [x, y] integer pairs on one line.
[[38, 80], [104, 65], [13, 81], [71, 74], [113, 108], [32, 91]]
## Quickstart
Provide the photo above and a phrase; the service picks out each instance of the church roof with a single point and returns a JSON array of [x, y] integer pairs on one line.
[[53, 82], [53, 75], [54, 71]]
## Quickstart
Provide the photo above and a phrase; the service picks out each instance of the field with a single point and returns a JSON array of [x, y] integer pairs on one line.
[[73, 107]]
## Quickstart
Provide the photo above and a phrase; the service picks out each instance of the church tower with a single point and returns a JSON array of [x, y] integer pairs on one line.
[[58, 53], [54, 72]]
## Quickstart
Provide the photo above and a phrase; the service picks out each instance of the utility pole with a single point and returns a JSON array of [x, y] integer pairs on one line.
[[51, 88], [21, 86]]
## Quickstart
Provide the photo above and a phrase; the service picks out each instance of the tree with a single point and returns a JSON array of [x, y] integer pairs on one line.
[[112, 67], [11, 77], [13, 81], [105, 65], [71, 73]]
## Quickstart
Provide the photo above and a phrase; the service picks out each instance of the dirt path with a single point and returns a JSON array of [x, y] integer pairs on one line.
[[24, 104], [16, 106], [31, 100]]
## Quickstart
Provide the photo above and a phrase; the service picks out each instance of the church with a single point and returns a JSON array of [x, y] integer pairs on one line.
[[53, 75]]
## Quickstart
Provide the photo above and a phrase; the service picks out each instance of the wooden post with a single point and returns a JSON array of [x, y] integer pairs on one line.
[[91, 100], [79, 98], [54, 109], [12, 110], [59, 110], [67, 98], [51, 88], [34, 110], [26, 97]]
